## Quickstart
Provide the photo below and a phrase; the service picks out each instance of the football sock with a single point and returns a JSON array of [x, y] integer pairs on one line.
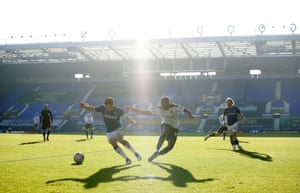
[[120, 151], [128, 146], [48, 133]]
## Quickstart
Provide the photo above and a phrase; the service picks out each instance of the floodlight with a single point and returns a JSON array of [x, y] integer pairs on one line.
[[88, 75], [255, 72], [78, 76], [213, 73]]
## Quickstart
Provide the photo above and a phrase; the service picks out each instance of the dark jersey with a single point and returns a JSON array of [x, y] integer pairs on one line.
[[111, 119], [232, 114], [46, 117]]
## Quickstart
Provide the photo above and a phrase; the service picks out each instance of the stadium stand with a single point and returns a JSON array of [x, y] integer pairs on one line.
[[203, 97]]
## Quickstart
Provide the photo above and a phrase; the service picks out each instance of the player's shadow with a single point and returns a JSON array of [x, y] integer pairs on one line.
[[255, 155], [81, 140], [178, 175], [243, 141], [252, 154], [103, 175], [30, 143]]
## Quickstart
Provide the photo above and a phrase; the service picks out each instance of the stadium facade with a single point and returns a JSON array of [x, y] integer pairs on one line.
[[197, 72]]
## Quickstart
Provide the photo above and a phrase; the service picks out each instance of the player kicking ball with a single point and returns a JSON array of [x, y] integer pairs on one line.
[[111, 116]]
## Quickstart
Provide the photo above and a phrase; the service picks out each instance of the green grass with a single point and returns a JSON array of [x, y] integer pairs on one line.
[[268, 164]]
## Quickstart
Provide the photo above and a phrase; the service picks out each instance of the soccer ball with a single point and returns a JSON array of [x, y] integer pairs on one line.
[[78, 157]]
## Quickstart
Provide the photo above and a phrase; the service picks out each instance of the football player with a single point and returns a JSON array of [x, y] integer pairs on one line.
[[111, 116], [232, 112], [222, 129], [169, 123], [230, 123], [46, 119]]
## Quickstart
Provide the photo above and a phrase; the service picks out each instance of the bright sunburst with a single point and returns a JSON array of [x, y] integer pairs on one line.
[[62, 20]]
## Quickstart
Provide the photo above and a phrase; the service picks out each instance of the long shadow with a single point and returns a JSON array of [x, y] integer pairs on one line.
[[243, 141], [255, 155], [252, 154], [103, 175], [30, 142], [81, 140], [178, 175]]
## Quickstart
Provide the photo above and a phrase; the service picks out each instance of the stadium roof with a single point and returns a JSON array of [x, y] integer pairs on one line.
[[155, 49]]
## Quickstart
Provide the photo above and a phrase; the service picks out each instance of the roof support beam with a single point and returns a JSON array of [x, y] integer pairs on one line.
[[117, 52], [185, 50], [221, 49], [151, 51]]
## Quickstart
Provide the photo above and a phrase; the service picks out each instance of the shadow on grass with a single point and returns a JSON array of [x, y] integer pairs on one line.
[[178, 175], [252, 154], [30, 142], [255, 155], [81, 140], [101, 176], [243, 141]]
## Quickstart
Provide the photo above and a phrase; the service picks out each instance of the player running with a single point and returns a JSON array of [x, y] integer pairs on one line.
[[232, 124], [111, 116], [222, 129], [169, 123]]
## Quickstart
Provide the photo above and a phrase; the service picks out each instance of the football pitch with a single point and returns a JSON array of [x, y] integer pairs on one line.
[[267, 164]]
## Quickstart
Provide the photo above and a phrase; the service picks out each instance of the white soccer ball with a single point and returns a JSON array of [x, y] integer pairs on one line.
[[78, 157]]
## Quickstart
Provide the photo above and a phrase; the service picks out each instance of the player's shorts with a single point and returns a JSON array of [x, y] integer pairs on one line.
[[89, 126], [114, 134], [46, 126], [233, 128], [222, 129], [169, 131]]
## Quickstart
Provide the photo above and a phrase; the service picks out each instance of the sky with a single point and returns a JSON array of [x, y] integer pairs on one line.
[[29, 21]]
